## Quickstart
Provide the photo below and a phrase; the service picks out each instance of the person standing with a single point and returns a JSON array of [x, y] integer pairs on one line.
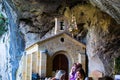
[[80, 74], [73, 72]]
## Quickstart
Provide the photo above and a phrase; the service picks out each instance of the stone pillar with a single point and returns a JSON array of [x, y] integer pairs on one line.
[[24, 70], [82, 60], [34, 62], [56, 25], [79, 58], [29, 67], [38, 64], [42, 65]]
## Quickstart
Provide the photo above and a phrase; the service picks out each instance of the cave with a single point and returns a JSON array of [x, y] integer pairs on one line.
[[94, 24]]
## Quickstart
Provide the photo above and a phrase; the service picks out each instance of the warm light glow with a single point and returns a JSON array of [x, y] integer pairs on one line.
[[73, 29]]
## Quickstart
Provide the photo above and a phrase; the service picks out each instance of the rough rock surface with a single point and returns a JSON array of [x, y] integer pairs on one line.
[[112, 7], [14, 44], [103, 48], [36, 17]]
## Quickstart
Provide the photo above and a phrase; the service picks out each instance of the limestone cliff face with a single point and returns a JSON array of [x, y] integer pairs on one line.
[[102, 40], [30, 20], [12, 44], [112, 7], [4, 49], [103, 48]]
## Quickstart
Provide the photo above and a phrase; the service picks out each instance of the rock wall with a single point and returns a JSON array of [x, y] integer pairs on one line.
[[13, 45], [112, 7], [103, 46], [4, 49], [103, 36], [102, 39]]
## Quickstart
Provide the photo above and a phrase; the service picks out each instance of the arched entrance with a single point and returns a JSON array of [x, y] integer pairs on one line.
[[60, 62]]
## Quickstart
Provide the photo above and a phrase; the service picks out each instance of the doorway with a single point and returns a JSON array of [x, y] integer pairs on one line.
[[60, 62]]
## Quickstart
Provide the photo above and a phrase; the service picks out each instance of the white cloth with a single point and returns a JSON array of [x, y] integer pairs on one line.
[[59, 74]]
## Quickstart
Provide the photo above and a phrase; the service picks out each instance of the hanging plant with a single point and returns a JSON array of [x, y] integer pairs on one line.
[[3, 26]]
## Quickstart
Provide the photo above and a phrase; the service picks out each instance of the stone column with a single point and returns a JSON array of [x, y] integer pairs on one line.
[[24, 70], [34, 62], [82, 60], [43, 63], [56, 25], [29, 67]]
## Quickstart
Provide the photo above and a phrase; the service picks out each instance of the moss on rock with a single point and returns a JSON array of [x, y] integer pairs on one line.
[[3, 27]]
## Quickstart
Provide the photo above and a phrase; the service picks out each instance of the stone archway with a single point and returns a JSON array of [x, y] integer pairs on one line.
[[60, 62]]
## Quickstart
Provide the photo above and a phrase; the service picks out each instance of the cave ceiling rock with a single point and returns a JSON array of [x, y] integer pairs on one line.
[[111, 7], [42, 13]]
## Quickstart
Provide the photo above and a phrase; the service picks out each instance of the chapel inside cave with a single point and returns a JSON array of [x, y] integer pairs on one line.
[[39, 38]]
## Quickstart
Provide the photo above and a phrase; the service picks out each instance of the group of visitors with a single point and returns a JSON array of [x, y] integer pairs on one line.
[[77, 72]]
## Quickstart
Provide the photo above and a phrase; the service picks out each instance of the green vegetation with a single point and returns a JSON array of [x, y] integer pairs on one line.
[[117, 65], [3, 26]]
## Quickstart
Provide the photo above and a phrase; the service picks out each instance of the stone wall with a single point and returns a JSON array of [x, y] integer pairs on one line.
[[72, 49]]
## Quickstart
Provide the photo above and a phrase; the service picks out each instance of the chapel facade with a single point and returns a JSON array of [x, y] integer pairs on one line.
[[57, 50]]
